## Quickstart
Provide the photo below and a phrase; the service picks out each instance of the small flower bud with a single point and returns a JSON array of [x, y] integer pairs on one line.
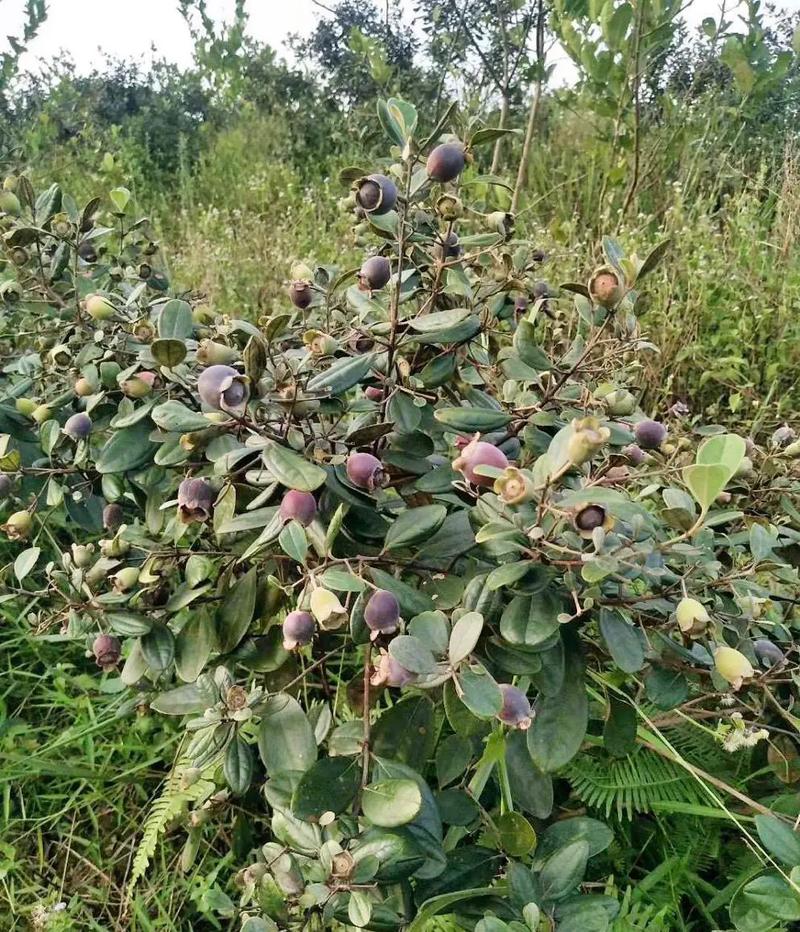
[[365, 471], [79, 426], [107, 651], [479, 453], [587, 439], [514, 486], [691, 616], [605, 287], [298, 630], [18, 526], [82, 555], [375, 273], [327, 609], [620, 402], [83, 387], [382, 613], [210, 353], [732, 666], [516, 710], [391, 673], [446, 162], [376, 194], [195, 500], [126, 578], [298, 506], [98, 307], [223, 388], [650, 434]]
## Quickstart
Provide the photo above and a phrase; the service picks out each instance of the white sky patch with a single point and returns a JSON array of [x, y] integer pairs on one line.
[[141, 30]]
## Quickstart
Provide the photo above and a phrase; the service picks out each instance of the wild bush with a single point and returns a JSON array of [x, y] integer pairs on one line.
[[434, 600]]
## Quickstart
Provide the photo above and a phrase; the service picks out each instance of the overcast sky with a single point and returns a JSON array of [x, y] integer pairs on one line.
[[130, 28]]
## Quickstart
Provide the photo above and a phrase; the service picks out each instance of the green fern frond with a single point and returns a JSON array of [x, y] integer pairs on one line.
[[703, 750], [169, 804], [631, 784]]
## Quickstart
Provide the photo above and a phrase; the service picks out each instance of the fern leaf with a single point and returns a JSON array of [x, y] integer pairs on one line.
[[631, 784], [169, 804]]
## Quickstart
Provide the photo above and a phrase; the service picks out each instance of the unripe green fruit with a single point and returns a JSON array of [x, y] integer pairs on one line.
[[41, 413], [9, 203], [19, 525], [98, 307], [10, 183], [26, 406], [620, 402], [126, 578]]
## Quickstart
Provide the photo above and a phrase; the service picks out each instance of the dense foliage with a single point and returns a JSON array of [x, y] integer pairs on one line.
[[435, 602]]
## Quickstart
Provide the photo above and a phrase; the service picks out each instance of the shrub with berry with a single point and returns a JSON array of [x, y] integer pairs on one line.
[[397, 554]]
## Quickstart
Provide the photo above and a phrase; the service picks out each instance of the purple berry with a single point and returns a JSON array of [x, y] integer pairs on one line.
[[634, 453], [300, 294], [447, 247], [224, 388], [650, 434], [446, 162], [195, 500], [376, 194], [365, 471], [112, 516], [769, 654], [298, 630], [79, 426], [374, 393], [589, 518], [479, 453], [107, 651], [298, 506], [375, 273], [382, 613], [516, 710]]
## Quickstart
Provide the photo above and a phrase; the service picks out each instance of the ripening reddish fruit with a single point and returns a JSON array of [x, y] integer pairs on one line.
[[298, 506], [479, 453], [650, 434], [382, 613], [375, 273], [365, 471], [376, 194], [634, 453], [107, 651], [605, 287], [516, 710], [298, 630], [374, 393], [446, 162], [79, 426], [390, 672], [300, 294]]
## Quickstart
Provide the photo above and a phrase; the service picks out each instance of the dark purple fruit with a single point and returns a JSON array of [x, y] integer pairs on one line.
[[112, 516], [446, 162], [516, 710], [79, 426], [376, 194], [224, 388], [589, 518], [300, 294], [447, 247], [107, 651], [298, 630], [650, 434], [375, 273], [382, 613]]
